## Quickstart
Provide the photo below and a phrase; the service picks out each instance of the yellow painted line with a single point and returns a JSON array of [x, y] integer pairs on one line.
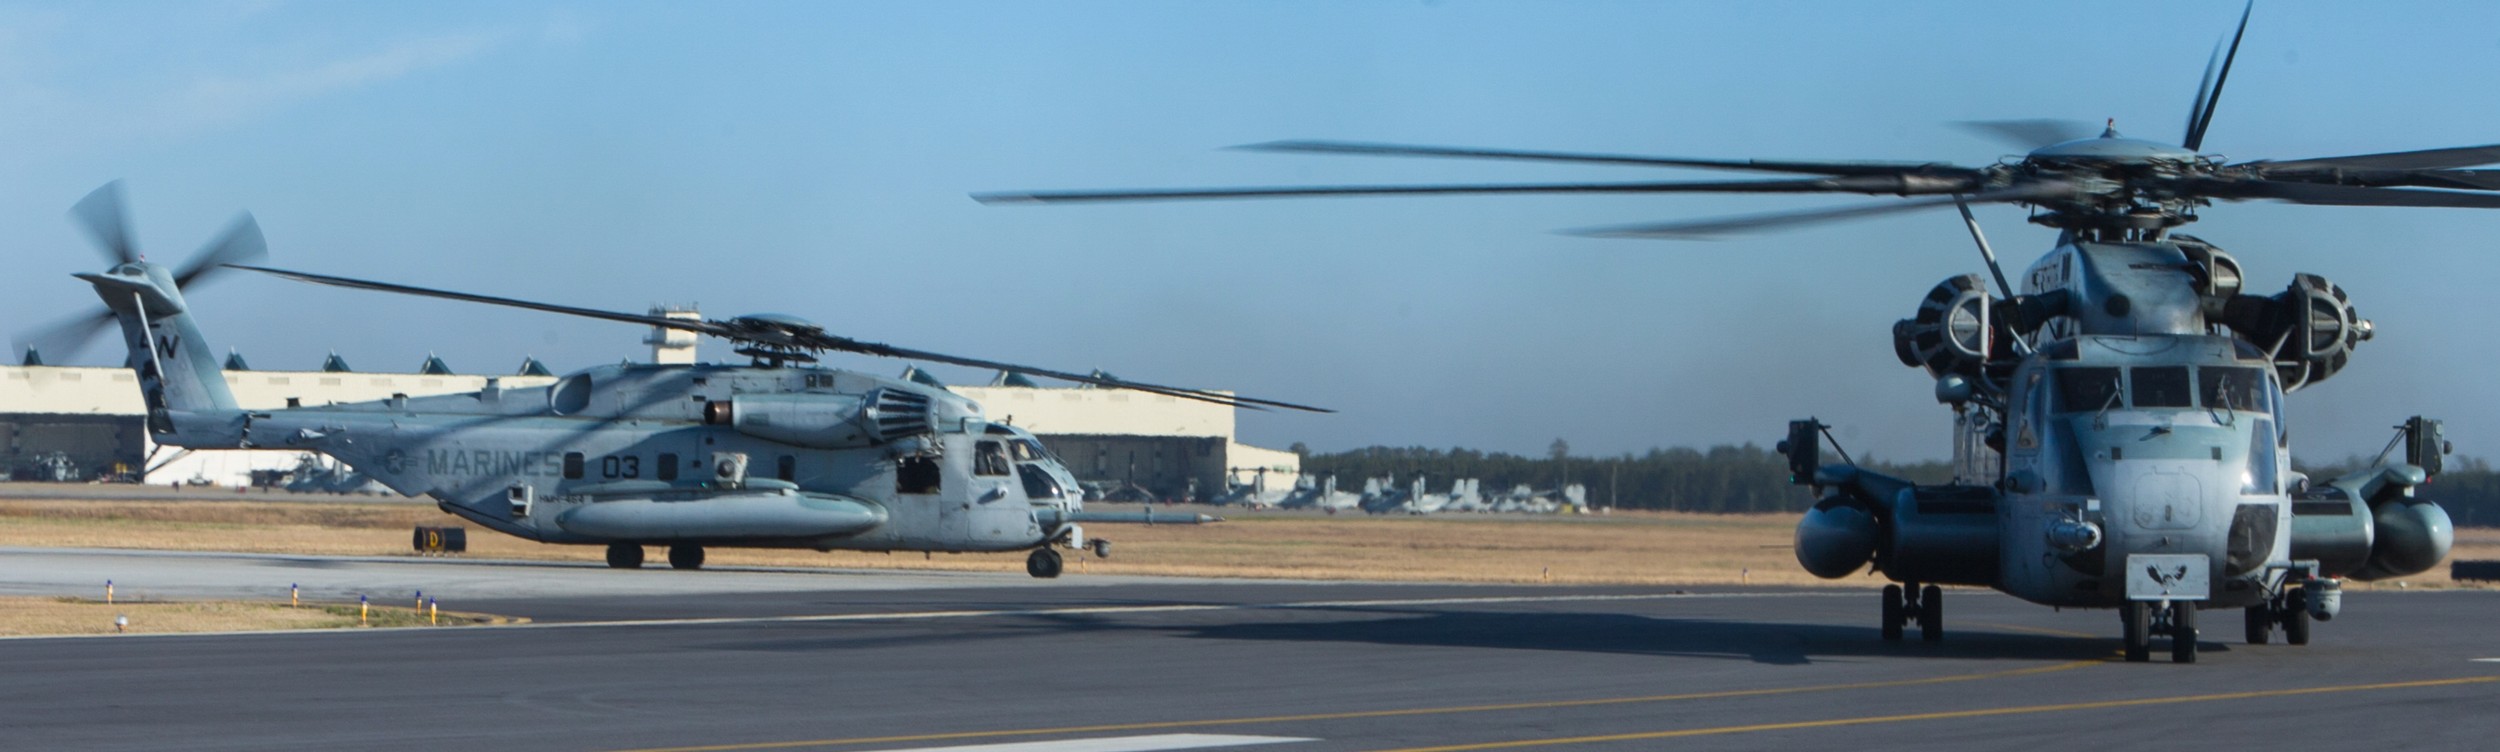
[[1950, 715], [1357, 714]]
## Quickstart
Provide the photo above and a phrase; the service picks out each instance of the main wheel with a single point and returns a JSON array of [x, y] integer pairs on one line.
[[1931, 614], [1044, 563], [2138, 619], [624, 556], [2182, 632], [2260, 623], [685, 557], [1893, 613], [2296, 617]]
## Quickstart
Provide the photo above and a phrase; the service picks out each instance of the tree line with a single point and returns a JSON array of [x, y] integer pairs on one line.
[[1752, 478]]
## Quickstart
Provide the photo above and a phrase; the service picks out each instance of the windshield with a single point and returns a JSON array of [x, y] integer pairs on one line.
[[2081, 390]]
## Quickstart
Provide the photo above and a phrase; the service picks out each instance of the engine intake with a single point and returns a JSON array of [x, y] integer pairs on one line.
[[2311, 327], [1951, 333]]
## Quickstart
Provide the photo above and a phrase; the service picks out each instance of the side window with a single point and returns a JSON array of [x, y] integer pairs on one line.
[[989, 458], [668, 466], [916, 475], [573, 466], [787, 468]]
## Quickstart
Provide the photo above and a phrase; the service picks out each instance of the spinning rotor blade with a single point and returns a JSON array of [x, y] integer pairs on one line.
[[1401, 150], [2201, 116], [242, 242], [59, 341], [101, 213], [1707, 228], [1894, 182], [2425, 159], [808, 338], [2339, 195], [2033, 133], [699, 327]]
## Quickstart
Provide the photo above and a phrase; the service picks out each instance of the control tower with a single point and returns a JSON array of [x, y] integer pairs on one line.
[[673, 346]]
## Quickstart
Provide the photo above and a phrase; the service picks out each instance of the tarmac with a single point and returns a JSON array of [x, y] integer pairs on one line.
[[752, 659]]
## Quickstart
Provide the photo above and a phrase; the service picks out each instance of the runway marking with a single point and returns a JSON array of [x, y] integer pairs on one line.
[[1156, 743], [1951, 715], [1360, 714], [2487, 660], [970, 614]]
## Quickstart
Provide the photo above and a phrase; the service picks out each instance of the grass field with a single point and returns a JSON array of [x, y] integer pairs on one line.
[[68, 616]]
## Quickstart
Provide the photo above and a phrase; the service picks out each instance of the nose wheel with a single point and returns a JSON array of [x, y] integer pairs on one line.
[[2144, 619], [1907, 603]]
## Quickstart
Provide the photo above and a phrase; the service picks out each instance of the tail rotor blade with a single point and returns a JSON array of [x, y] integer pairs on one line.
[[102, 214], [60, 340]]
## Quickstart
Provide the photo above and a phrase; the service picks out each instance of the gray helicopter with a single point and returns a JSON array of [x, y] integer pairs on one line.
[[775, 454], [2126, 404]]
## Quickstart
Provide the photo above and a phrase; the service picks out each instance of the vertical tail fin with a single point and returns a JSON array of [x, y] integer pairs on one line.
[[185, 391]]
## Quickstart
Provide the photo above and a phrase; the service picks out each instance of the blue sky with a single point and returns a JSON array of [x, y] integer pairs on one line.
[[814, 158]]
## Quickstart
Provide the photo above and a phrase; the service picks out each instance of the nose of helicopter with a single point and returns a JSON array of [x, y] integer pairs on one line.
[[2168, 497]]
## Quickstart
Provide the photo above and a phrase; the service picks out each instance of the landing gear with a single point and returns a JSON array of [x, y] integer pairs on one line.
[[685, 557], [2296, 616], [2182, 632], [1900, 609], [624, 556], [1044, 563], [2137, 616], [1894, 613], [1101, 547], [1931, 614], [2260, 623], [2143, 619]]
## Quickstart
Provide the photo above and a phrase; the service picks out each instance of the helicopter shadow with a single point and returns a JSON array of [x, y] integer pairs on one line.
[[1761, 642]]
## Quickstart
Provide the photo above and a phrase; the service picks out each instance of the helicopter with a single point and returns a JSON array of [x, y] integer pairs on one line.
[[2123, 406], [777, 453]]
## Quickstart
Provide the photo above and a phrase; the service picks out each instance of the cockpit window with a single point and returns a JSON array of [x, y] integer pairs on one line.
[[2163, 386], [2232, 388], [989, 458], [1037, 484], [1026, 450], [2082, 390]]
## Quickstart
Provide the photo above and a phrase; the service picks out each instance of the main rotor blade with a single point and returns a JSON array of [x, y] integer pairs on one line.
[[1896, 183], [102, 214], [809, 339], [2339, 195], [242, 242], [61, 340], [2201, 116], [846, 344], [2425, 159], [2465, 180], [1759, 165], [699, 327], [2031, 133], [1707, 228]]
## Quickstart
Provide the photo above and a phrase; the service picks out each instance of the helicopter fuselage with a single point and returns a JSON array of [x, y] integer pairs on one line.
[[705, 455]]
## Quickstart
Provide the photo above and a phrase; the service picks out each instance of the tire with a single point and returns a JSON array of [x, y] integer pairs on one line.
[[624, 556], [1931, 614], [1893, 616], [2182, 632], [685, 557], [2260, 623], [2296, 617], [2137, 618], [1043, 564]]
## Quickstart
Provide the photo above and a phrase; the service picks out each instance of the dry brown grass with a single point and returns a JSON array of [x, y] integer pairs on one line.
[[71, 616], [1623, 548]]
